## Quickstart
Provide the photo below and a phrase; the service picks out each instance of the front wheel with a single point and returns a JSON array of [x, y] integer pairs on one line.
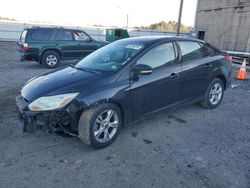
[[100, 125], [214, 94]]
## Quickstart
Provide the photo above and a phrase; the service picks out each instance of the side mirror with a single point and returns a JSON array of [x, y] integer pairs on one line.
[[142, 69]]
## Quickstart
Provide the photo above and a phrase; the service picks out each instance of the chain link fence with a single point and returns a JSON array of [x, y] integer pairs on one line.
[[11, 31]]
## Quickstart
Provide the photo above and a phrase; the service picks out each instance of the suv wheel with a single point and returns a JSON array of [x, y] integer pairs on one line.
[[99, 126], [214, 94], [51, 59]]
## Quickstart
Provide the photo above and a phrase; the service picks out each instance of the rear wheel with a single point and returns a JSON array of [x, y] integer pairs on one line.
[[214, 94], [99, 126], [51, 59]]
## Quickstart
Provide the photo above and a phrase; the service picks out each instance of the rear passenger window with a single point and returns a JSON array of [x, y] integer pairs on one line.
[[63, 35], [159, 56], [40, 34], [190, 50]]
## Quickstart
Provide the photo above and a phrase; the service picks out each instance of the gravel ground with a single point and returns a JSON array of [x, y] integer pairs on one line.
[[188, 147]]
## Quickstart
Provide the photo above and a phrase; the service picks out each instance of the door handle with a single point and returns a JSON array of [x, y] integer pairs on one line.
[[174, 75], [208, 65]]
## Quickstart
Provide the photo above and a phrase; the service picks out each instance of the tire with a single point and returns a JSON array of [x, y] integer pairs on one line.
[[51, 59], [215, 88], [95, 122]]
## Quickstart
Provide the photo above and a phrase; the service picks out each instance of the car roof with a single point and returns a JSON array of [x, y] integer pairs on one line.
[[31, 28], [147, 40]]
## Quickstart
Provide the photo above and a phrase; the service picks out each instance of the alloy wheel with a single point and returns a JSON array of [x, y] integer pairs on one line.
[[106, 126], [215, 94]]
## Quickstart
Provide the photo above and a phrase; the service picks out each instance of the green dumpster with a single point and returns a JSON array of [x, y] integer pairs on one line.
[[116, 34]]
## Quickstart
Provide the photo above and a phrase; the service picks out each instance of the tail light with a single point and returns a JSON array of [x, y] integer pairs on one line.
[[25, 47], [229, 59]]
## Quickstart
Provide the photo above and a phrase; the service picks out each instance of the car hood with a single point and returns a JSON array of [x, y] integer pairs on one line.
[[67, 80]]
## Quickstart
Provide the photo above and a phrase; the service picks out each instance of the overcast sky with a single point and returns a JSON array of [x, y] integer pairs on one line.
[[99, 12]]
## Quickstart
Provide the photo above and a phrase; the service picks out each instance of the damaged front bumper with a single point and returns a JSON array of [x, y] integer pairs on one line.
[[63, 119]]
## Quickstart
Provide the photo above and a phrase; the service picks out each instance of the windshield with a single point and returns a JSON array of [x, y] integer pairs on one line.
[[110, 58]]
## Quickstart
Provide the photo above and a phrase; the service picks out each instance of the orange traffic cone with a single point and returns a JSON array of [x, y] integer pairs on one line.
[[242, 74]]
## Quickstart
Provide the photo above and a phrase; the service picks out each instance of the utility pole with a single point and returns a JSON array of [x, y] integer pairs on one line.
[[179, 18], [127, 21]]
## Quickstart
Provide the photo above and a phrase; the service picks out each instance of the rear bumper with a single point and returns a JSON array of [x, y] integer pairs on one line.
[[29, 56]]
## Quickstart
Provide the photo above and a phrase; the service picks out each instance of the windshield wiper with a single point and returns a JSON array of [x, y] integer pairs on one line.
[[84, 69]]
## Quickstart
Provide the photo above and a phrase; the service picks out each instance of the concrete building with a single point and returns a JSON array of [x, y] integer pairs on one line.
[[224, 23]]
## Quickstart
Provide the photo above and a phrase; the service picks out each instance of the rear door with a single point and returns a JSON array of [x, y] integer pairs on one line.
[[84, 43], [161, 89], [65, 42], [196, 66]]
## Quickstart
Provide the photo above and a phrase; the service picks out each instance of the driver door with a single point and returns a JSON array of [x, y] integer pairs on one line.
[[161, 89], [84, 44]]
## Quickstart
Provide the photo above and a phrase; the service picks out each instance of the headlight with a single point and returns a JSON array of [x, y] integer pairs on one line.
[[52, 102]]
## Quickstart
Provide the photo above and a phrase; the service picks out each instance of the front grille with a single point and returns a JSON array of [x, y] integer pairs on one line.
[[21, 102]]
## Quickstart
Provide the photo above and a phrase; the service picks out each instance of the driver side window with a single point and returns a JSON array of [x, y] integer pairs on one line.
[[160, 56], [80, 36]]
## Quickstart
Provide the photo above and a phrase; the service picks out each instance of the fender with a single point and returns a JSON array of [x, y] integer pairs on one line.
[[222, 72], [41, 52], [115, 94]]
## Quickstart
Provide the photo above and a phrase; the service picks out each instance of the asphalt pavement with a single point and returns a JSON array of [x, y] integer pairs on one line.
[[188, 147]]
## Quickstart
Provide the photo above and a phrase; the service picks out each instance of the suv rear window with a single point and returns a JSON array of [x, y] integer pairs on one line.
[[23, 35], [40, 34]]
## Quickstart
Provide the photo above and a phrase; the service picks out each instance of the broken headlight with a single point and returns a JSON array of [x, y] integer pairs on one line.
[[52, 102]]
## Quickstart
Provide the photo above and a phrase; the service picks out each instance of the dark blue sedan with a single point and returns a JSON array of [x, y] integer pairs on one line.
[[123, 82]]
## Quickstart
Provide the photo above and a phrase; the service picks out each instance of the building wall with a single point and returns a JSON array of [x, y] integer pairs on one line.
[[226, 23]]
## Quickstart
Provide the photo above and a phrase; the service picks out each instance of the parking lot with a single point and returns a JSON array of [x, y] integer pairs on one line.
[[187, 147]]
